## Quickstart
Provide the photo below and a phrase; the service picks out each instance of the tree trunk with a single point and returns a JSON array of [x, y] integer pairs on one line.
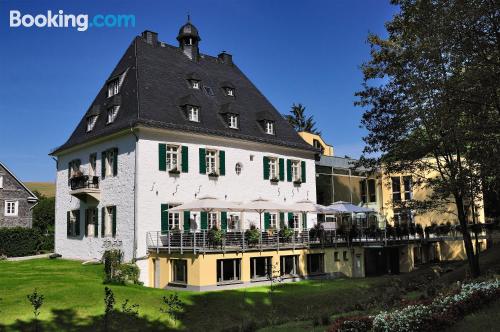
[[469, 249]]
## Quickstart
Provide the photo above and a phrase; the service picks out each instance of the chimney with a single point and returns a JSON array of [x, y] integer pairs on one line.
[[225, 58], [150, 37]]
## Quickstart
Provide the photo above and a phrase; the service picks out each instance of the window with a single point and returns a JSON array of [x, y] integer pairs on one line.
[[212, 220], [237, 168], [315, 264], [336, 256], [260, 267], [193, 113], [108, 221], [173, 220], [233, 222], [296, 176], [74, 168], [195, 84], [396, 189], [208, 90], [172, 157], [318, 145], [1, 182], [362, 185], [368, 191], [273, 220], [230, 92], [11, 208], [179, 271], [92, 164], [211, 161], [233, 121], [73, 225], [113, 87], [344, 254], [407, 184], [269, 127], [289, 265], [112, 113], [371, 190], [273, 168], [109, 162], [91, 121], [228, 270], [295, 221], [91, 222]]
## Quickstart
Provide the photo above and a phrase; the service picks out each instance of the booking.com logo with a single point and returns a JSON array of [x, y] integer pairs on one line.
[[61, 20]]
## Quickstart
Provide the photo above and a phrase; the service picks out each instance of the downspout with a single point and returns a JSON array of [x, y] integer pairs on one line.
[[134, 251]]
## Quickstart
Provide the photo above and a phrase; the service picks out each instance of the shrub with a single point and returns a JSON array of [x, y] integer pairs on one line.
[[252, 235], [19, 241], [286, 233], [351, 324], [112, 262], [215, 235], [129, 273]]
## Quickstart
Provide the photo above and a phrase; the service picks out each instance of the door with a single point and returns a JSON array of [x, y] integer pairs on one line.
[[358, 269]]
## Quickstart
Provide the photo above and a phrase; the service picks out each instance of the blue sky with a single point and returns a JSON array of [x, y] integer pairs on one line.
[[294, 51]]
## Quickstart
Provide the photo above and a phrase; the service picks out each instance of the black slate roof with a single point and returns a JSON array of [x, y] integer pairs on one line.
[[155, 88]]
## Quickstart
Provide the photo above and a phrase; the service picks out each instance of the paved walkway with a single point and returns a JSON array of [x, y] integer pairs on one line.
[[25, 258]]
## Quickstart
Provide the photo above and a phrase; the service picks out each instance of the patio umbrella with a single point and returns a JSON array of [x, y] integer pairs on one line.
[[306, 205], [346, 207], [261, 205], [208, 204]]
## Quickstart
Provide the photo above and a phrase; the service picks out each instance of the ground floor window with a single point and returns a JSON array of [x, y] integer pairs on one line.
[[228, 270], [91, 222], [179, 271], [289, 265], [260, 267], [344, 254], [315, 263]]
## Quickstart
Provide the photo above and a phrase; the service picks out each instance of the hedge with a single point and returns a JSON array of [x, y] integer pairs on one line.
[[19, 241]]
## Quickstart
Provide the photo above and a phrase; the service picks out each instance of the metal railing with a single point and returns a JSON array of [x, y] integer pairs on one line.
[[240, 241], [83, 182]]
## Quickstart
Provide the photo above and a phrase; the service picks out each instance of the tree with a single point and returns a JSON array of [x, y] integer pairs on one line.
[[300, 122], [44, 214], [432, 95]]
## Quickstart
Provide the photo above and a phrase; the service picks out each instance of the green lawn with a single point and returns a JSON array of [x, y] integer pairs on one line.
[[485, 320], [74, 296]]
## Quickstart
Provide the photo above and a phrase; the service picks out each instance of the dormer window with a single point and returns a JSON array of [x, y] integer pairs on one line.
[[230, 92], [112, 113], [193, 113], [233, 121], [91, 121], [269, 127], [113, 87], [195, 84]]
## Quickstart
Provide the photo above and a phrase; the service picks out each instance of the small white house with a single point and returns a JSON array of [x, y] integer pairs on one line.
[[171, 125]]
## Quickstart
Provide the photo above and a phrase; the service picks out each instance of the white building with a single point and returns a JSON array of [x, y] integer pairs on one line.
[[171, 125]]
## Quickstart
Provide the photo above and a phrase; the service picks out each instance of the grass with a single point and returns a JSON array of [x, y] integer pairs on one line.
[[484, 320], [74, 296], [47, 189]]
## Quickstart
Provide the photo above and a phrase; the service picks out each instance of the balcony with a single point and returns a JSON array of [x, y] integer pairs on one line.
[[85, 187]]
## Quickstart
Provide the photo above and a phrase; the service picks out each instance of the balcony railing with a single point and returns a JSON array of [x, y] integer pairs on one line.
[[84, 182], [240, 241]]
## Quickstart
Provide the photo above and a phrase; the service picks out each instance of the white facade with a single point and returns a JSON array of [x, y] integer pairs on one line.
[[156, 187]]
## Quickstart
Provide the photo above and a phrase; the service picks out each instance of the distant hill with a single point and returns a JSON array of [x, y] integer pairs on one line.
[[45, 188]]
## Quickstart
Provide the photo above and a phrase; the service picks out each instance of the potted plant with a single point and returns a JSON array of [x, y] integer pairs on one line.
[[297, 182], [174, 171], [286, 233], [274, 180], [215, 236], [213, 175], [271, 231], [252, 235]]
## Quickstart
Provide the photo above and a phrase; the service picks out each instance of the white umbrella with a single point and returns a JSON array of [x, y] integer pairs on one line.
[[346, 207], [208, 204], [306, 205], [261, 205]]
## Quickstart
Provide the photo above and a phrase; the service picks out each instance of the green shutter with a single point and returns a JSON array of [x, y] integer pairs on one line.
[[115, 162], [282, 220], [68, 223], [203, 162], [164, 218], [187, 221], [267, 220], [304, 220], [303, 171], [85, 217], [282, 169], [290, 219], [103, 221], [77, 223], [223, 220], [204, 220], [184, 159], [96, 224], [114, 221], [103, 164], [289, 170], [222, 162], [266, 167], [162, 157]]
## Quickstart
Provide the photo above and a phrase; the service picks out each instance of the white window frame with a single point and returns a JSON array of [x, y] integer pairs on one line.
[[109, 162], [172, 160], [296, 221], [273, 220], [233, 222], [233, 121], [72, 222], [114, 87], [1, 181], [108, 221], [212, 220], [230, 92], [211, 161], [92, 164], [91, 219], [195, 84], [269, 127], [112, 113], [296, 170], [273, 168], [91, 121], [11, 208], [174, 220], [193, 113]]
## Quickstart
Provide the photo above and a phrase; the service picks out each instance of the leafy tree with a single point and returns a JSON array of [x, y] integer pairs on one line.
[[44, 214], [172, 305], [432, 95], [36, 299], [301, 122]]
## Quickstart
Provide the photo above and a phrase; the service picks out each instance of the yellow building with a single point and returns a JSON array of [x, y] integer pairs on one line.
[[317, 141]]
